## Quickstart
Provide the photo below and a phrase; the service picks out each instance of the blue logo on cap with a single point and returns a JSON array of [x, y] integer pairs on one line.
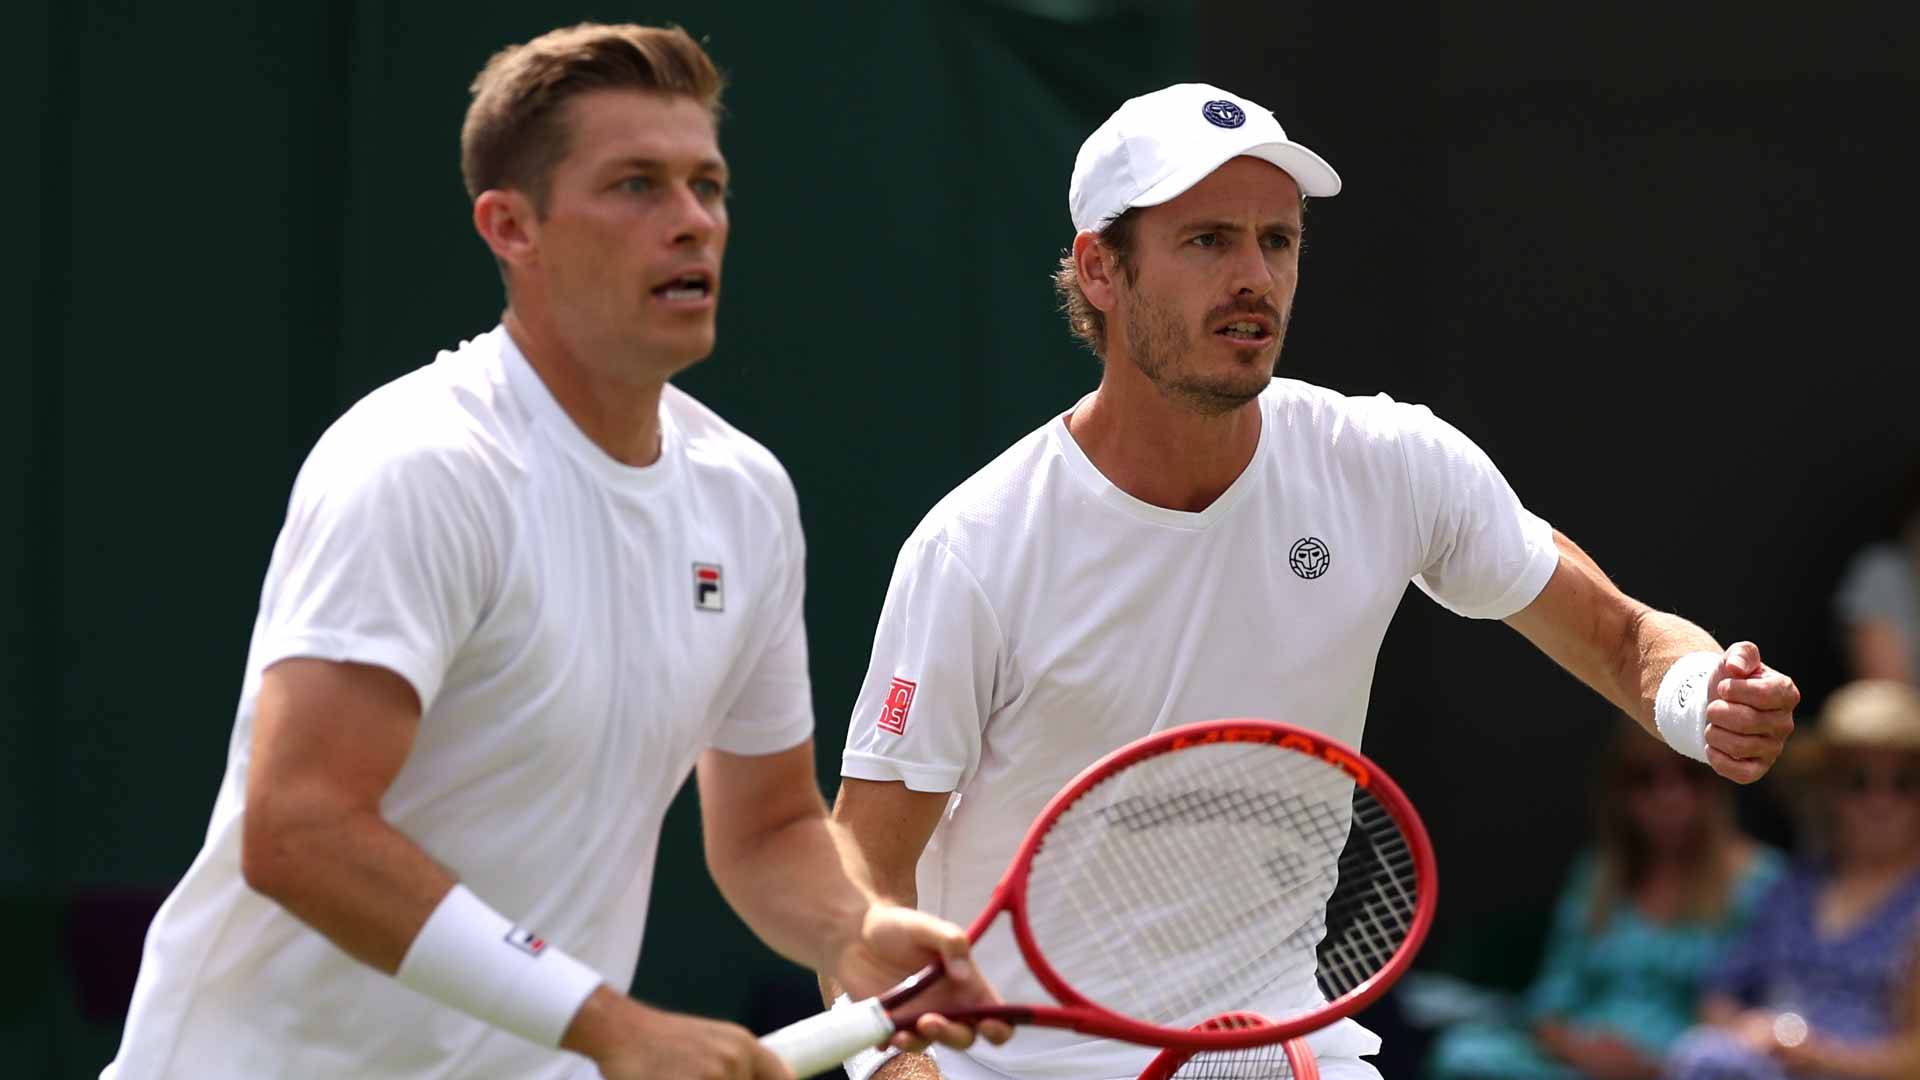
[[1223, 114]]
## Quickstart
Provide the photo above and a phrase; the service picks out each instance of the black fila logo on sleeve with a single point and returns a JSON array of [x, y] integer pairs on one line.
[[708, 594]]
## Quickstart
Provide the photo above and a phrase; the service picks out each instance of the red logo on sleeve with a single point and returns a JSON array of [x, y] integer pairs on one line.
[[893, 711]]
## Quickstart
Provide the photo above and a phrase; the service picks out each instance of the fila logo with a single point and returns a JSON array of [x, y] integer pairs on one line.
[[893, 711], [526, 941], [707, 595]]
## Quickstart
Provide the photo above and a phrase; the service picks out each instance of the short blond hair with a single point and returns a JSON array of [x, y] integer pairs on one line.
[[514, 133]]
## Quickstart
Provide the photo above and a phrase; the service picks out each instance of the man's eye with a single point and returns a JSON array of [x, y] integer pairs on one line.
[[1279, 241], [637, 184], [1207, 239], [710, 189]]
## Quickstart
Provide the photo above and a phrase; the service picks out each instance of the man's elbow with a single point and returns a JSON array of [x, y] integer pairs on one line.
[[265, 860], [278, 848]]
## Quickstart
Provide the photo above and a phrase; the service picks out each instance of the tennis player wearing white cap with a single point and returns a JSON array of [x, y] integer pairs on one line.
[[1198, 539]]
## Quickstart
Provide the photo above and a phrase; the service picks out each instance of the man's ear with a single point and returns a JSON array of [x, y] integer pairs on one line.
[[1098, 271], [506, 221]]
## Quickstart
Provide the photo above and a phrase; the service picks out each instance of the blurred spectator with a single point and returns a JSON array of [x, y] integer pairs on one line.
[[1822, 984], [1878, 600], [1644, 916]]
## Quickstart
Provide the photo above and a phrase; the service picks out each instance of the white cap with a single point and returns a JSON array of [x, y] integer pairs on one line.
[[1158, 145]]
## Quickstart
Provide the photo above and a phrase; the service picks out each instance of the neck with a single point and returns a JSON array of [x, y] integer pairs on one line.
[[620, 416], [1159, 449]]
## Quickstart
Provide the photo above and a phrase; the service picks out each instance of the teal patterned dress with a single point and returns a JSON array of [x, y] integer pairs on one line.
[[1635, 978]]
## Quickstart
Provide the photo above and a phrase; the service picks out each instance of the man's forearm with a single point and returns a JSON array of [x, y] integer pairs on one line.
[[908, 1067], [1615, 644], [1655, 639], [356, 879], [799, 890]]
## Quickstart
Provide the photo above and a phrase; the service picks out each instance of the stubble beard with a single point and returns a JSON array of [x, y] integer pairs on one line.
[[1159, 343]]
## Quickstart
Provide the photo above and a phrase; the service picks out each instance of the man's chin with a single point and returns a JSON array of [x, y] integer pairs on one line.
[[681, 354], [1217, 396]]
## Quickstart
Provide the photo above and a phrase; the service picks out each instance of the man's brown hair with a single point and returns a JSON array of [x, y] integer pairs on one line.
[[514, 132], [1087, 322]]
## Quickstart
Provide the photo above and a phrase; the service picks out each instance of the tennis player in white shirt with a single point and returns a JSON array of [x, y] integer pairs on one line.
[[1197, 539], [520, 594]]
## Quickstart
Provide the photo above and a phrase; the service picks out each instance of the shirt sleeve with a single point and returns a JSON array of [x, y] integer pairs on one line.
[[774, 709], [930, 683], [1483, 554], [384, 559]]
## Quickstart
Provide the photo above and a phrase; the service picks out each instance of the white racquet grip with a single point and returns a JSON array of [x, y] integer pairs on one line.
[[820, 1043], [864, 1063], [1680, 706]]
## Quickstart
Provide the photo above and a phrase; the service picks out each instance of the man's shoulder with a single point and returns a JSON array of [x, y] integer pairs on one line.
[[719, 451], [1374, 429], [1325, 410], [450, 423], [1003, 489]]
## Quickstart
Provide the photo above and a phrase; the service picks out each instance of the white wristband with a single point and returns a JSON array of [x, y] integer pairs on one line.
[[473, 958], [868, 1061], [1680, 706]]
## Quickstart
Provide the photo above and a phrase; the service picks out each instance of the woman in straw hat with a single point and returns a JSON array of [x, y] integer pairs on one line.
[[1823, 983]]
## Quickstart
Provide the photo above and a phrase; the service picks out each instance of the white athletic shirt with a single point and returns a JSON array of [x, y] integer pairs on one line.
[[1040, 617], [549, 606]]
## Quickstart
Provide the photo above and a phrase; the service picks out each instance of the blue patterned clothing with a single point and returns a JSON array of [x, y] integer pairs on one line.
[[1634, 977], [1848, 986]]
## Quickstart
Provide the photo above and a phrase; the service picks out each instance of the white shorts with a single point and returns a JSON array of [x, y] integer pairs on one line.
[[959, 1066]]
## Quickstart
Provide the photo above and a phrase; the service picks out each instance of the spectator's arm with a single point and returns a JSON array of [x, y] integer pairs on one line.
[[1720, 1010], [1896, 1057], [1599, 1054]]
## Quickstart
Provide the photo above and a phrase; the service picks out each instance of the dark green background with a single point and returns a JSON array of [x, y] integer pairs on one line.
[[1657, 262]]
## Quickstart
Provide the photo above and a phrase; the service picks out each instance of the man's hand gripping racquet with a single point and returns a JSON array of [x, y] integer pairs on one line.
[[1208, 868]]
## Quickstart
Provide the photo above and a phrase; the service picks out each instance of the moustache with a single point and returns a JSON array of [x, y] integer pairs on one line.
[[1247, 307]]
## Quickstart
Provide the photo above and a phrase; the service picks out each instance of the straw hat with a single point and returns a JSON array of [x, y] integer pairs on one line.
[[1877, 714], [1871, 714]]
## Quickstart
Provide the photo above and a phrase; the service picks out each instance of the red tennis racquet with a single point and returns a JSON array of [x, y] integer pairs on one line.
[[1226, 865], [1290, 1060]]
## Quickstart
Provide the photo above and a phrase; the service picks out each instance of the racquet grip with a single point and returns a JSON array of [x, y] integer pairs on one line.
[[822, 1042]]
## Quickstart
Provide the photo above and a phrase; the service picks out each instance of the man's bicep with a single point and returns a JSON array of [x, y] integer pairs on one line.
[[332, 730], [328, 739], [890, 823], [745, 798]]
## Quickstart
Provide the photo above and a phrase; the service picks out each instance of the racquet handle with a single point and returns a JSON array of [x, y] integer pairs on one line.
[[822, 1042]]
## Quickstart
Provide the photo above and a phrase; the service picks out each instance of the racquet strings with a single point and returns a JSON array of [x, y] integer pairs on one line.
[[1220, 876], [1267, 1062]]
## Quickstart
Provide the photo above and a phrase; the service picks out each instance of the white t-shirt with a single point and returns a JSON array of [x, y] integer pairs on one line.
[[578, 632], [1040, 617]]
